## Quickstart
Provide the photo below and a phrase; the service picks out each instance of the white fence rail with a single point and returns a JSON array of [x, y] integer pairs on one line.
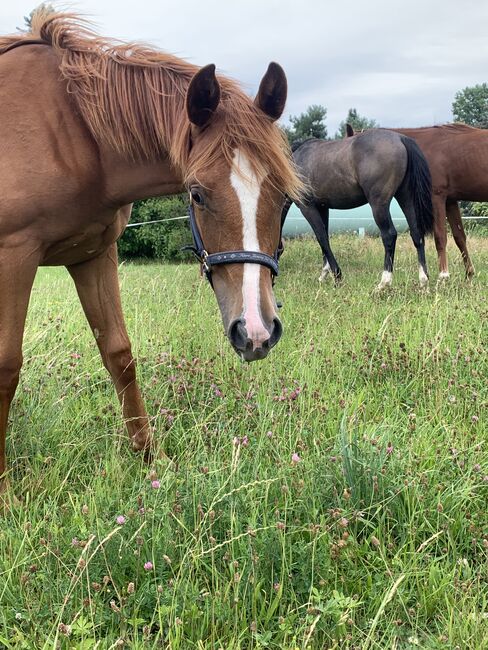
[[146, 223]]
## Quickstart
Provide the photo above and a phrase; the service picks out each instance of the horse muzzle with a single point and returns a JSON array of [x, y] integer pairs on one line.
[[254, 343]]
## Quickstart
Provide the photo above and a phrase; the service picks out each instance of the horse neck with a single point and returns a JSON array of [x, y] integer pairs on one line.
[[128, 180]]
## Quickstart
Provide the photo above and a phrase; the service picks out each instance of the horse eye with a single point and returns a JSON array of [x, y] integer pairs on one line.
[[196, 197]]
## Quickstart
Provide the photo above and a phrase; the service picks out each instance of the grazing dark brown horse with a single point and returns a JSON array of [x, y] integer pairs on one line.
[[371, 167], [88, 126], [458, 159]]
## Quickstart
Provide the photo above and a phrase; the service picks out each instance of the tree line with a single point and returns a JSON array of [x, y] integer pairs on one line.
[[164, 241], [312, 124], [470, 106]]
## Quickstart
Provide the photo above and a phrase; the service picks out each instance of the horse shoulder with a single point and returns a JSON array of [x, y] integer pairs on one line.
[[47, 149]]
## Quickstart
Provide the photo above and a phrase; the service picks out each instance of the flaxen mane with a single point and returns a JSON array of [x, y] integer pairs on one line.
[[132, 97]]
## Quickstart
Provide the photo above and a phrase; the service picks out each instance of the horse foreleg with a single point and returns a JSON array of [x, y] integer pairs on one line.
[[454, 217], [17, 272], [440, 233], [319, 221], [98, 289], [331, 265]]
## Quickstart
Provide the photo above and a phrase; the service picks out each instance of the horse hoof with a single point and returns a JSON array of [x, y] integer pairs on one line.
[[156, 455], [386, 281], [423, 277], [470, 273], [384, 286], [326, 270], [443, 276]]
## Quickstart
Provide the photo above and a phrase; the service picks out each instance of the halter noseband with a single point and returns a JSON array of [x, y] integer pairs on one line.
[[208, 261]]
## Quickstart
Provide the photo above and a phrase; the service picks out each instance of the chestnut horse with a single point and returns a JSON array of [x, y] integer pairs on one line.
[[88, 126], [458, 160]]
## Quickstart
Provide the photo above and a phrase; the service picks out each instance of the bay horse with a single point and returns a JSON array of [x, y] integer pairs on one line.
[[458, 160], [88, 126], [370, 167]]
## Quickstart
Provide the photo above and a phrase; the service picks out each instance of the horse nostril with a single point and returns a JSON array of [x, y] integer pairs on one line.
[[250, 349], [276, 332], [238, 335]]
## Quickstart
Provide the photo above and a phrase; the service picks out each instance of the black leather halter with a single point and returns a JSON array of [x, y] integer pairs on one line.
[[208, 261]]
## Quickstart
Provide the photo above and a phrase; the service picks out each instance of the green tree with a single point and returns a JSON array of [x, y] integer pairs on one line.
[[310, 124], [47, 8], [357, 122], [470, 106]]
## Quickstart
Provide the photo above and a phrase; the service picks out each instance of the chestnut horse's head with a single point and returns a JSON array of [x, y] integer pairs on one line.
[[238, 174]]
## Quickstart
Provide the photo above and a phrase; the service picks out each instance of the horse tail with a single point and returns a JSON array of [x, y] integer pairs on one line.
[[296, 144], [420, 185]]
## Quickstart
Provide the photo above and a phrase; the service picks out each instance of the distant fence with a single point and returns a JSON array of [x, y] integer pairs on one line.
[[358, 219]]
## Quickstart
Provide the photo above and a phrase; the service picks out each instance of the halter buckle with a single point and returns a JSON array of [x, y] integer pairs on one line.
[[203, 261]]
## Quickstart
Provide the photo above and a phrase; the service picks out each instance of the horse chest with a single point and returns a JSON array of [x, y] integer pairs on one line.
[[84, 245]]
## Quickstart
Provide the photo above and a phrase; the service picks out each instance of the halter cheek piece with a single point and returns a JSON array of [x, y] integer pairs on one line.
[[208, 261]]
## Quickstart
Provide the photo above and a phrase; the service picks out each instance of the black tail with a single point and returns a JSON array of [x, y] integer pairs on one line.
[[296, 144], [420, 185]]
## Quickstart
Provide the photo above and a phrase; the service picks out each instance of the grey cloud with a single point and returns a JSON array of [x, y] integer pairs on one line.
[[398, 62]]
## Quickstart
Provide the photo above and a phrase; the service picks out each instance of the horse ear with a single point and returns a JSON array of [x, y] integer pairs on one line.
[[203, 96], [349, 131], [271, 97]]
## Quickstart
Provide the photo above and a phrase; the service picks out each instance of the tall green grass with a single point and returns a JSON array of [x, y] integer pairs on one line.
[[333, 495]]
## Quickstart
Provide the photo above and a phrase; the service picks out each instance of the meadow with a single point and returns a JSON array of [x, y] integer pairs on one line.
[[333, 495]]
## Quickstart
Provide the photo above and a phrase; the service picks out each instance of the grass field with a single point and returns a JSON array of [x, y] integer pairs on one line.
[[333, 495]]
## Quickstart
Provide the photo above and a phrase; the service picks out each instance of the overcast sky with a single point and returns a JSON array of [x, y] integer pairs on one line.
[[397, 62]]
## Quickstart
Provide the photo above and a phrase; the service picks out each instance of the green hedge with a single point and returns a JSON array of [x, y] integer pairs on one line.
[[162, 241], [471, 209]]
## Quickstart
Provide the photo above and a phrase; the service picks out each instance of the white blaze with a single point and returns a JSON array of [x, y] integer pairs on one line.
[[247, 186]]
